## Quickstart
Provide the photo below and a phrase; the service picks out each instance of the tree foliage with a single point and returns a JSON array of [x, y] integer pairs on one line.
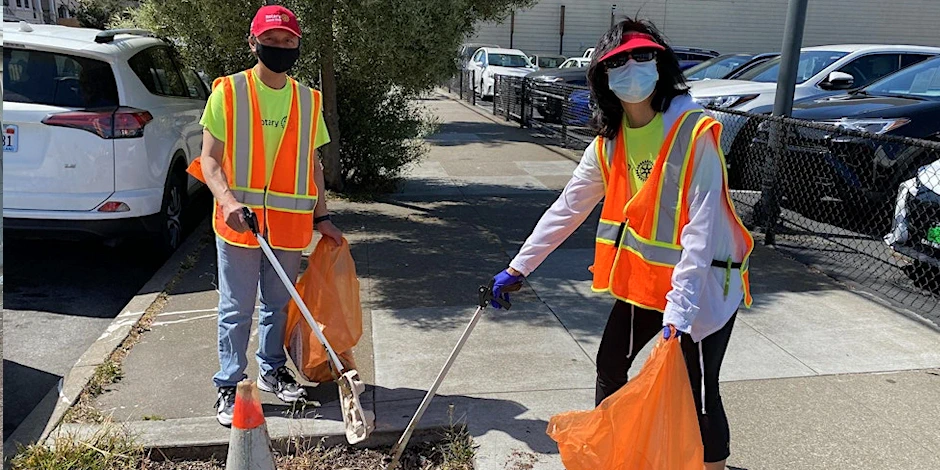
[[370, 55]]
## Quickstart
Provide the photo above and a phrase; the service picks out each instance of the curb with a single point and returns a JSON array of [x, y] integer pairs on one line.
[[49, 412], [185, 439], [453, 97], [203, 438]]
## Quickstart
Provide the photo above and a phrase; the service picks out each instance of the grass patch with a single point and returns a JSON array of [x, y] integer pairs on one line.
[[109, 372], [111, 448]]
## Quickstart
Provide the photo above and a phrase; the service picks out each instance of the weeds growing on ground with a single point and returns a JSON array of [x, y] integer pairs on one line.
[[110, 448]]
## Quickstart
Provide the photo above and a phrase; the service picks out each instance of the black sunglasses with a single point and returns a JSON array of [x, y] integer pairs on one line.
[[621, 59]]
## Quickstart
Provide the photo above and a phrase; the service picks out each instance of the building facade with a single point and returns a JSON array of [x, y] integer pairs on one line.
[[40, 11], [571, 26]]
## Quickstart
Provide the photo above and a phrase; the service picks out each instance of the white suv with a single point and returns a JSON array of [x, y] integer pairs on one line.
[[99, 127]]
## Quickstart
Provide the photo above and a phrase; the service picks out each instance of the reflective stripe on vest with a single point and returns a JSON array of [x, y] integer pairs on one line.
[[660, 254], [300, 201], [666, 229], [283, 203], [638, 236], [607, 231]]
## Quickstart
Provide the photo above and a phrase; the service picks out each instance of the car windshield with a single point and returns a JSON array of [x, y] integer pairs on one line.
[[718, 67], [509, 60], [811, 63], [921, 80], [57, 79], [550, 62]]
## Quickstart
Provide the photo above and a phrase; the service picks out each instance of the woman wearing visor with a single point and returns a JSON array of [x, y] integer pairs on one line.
[[670, 248]]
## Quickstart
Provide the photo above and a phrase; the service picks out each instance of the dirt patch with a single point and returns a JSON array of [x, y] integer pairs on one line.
[[422, 457]]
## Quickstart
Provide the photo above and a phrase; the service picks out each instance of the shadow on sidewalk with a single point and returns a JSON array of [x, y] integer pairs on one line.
[[480, 415], [487, 133], [437, 252]]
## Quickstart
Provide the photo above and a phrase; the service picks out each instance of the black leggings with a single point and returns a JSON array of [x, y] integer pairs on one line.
[[615, 357]]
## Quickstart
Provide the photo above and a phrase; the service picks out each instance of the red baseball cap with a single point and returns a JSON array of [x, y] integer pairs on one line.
[[274, 17], [634, 40]]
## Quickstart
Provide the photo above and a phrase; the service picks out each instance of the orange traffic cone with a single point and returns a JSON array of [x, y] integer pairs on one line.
[[249, 448]]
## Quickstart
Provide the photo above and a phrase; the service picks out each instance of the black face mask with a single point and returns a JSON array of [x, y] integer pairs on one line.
[[277, 59]]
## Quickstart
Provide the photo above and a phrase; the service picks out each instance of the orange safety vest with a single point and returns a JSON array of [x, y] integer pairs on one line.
[[638, 237], [284, 206]]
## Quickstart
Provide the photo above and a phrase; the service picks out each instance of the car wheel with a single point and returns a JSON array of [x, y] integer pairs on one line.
[[171, 229]]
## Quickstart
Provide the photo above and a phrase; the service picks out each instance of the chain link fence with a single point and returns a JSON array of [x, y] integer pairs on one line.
[[861, 206]]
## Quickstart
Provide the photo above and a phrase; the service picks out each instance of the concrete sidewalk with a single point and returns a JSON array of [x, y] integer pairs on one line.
[[816, 376]]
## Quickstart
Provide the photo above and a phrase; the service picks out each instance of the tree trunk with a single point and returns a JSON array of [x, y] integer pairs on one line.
[[332, 169]]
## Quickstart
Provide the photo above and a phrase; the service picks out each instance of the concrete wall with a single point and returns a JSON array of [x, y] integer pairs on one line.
[[722, 25]]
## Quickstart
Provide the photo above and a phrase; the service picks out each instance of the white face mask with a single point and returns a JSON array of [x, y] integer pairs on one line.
[[634, 82]]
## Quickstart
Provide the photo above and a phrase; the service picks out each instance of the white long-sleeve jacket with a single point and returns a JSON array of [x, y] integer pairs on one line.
[[696, 304]]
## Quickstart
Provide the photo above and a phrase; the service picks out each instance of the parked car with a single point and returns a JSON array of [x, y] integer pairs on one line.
[[580, 108], [546, 61], [864, 172], [468, 49], [550, 88], [690, 56], [916, 229], [822, 71], [575, 63], [489, 62], [717, 67], [751, 64], [99, 127]]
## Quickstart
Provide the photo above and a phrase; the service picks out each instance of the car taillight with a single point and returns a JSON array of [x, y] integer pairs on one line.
[[119, 123], [114, 206]]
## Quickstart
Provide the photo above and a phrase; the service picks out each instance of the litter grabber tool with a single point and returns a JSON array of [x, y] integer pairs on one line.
[[485, 296], [359, 422]]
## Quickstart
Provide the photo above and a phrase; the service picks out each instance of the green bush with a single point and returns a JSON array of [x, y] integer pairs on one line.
[[382, 133], [378, 56]]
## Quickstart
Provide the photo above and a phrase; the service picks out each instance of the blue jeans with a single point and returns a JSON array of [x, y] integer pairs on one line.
[[241, 271]]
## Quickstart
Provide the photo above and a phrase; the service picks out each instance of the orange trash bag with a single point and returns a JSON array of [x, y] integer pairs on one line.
[[330, 289], [649, 424]]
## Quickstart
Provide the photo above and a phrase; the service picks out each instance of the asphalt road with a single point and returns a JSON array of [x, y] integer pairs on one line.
[[59, 297]]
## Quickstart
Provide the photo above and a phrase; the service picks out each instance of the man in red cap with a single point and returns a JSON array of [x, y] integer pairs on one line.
[[262, 132]]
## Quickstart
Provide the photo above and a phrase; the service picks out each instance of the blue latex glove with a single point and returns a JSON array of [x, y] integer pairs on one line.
[[501, 281], [670, 331]]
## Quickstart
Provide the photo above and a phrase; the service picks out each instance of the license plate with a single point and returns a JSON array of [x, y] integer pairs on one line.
[[11, 138]]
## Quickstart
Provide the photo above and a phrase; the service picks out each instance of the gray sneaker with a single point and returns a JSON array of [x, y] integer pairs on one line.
[[225, 406], [283, 385]]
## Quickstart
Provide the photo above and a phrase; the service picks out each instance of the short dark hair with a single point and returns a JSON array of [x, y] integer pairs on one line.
[[609, 113]]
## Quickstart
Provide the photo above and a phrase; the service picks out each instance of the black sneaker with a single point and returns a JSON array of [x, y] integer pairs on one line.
[[225, 406], [283, 385]]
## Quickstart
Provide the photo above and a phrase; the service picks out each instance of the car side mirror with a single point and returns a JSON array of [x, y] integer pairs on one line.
[[838, 81]]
